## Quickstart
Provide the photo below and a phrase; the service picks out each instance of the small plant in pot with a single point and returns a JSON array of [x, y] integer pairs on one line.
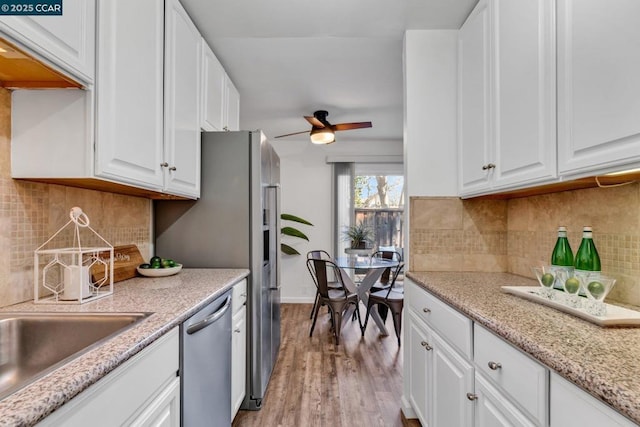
[[360, 235]]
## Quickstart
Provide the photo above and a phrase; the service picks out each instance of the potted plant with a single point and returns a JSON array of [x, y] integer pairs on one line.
[[292, 232], [360, 235]]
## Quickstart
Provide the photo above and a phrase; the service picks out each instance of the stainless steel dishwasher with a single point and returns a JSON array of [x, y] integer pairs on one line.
[[205, 366]]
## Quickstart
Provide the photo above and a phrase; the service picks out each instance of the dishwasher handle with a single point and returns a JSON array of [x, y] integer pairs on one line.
[[210, 319]]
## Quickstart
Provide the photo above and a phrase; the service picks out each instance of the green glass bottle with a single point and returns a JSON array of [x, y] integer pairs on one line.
[[562, 255], [587, 259]]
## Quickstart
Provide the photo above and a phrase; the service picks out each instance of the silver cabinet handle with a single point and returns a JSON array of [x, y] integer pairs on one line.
[[494, 365], [426, 346], [237, 330], [489, 166], [226, 129], [210, 319], [164, 164], [472, 396], [426, 310], [173, 168]]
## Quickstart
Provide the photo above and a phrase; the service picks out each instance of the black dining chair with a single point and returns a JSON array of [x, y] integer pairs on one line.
[[390, 274], [336, 299], [332, 283], [392, 298]]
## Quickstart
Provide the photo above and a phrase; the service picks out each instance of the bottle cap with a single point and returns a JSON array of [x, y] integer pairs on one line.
[[587, 228], [562, 228]]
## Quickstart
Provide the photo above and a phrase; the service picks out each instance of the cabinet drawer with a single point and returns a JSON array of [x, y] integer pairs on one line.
[[238, 296], [522, 378], [452, 325]]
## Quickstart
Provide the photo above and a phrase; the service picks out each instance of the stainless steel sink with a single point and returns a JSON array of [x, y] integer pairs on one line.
[[34, 344]]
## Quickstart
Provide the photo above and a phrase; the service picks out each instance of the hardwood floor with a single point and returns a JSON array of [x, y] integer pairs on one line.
[[316, 383]]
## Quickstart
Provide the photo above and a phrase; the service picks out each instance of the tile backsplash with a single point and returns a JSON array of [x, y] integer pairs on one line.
[[31, 212], [450, 234]]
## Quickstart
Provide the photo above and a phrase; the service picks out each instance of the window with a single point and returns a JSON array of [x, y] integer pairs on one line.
[[372, 193]]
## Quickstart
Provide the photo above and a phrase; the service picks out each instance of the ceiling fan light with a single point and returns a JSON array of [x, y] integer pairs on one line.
[[322, 136]]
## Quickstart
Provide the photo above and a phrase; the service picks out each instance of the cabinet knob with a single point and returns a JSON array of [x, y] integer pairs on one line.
[[489, 166], [226, 129], [173, 168], [164, 164], [494, 365], [426, 345], [426, 310], [237, 330], [472, 396]]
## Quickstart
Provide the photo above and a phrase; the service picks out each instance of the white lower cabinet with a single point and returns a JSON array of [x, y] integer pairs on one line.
[[144, 391], [418, 361], [238, 346], [571, 406], [493, 408]]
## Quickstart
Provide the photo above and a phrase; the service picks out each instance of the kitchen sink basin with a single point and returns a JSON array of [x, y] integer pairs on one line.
[[34, 344]]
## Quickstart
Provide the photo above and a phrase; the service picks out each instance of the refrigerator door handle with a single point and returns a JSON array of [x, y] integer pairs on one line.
[[276, 231]]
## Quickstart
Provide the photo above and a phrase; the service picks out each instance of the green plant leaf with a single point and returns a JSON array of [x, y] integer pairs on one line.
[[286, 249], [289, 217], [293, 232]]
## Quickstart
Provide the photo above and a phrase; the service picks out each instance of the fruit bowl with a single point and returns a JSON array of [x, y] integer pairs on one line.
[[159, 272]]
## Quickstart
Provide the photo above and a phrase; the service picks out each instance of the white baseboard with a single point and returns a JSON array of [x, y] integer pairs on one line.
[[407, 409], [297, 300]]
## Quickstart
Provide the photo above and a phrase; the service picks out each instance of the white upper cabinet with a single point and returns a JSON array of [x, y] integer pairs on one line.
[[66, 41], [182, 102], [213, 88], [473, 100], [232, 106], [129, 107], [598, 85], [523, 91], [506, 115]]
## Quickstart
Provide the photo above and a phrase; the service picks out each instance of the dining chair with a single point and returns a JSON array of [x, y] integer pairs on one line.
[[336, 299], [332, 283], [388, 276], [391, 298]]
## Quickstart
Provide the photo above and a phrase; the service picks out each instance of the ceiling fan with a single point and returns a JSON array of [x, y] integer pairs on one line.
[[323, 132]]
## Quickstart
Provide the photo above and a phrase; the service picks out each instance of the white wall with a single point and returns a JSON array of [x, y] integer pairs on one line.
[[430, 68], [305, 180]]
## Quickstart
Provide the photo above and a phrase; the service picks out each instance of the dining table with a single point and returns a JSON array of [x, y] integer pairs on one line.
[[373, 268]]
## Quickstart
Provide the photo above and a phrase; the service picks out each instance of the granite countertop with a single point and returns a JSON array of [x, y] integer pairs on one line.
[[171, 299], [602, 361]]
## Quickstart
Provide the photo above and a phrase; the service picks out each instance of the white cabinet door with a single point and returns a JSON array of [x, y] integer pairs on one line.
[[164, 410], [452, 379], [598, 85], [232, 106], [213, 90], [420, 356], [523, 91], [473, 101], [67, 40], [182, 102], [571, 406], [494, 410], [238, 359], [129, 107]]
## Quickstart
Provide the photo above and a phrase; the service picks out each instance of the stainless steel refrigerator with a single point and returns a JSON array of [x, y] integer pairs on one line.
[[235, 224]]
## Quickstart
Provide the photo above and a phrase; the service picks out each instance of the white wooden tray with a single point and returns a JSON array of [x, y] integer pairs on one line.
[[616, 315]]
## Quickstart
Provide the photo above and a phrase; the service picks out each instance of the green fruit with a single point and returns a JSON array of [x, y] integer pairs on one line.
[[547, 279], [596, 289], [155, 259], [168, 263], [145, 265], [156, 265], [572, 285]]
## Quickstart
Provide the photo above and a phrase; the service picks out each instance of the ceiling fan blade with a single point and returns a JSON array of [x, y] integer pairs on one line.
[[289, 134], [314, 122], [349, 126]]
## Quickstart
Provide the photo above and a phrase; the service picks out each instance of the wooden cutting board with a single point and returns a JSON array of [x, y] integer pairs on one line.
[[125, 260]]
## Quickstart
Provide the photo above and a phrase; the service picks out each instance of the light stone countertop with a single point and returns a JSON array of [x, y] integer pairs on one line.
[[603, 361], [171, 299]]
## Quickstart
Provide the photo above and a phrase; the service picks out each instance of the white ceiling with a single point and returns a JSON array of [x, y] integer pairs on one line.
[[289, 58]]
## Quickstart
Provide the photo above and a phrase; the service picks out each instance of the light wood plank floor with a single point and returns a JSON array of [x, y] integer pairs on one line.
[[316, 383]]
